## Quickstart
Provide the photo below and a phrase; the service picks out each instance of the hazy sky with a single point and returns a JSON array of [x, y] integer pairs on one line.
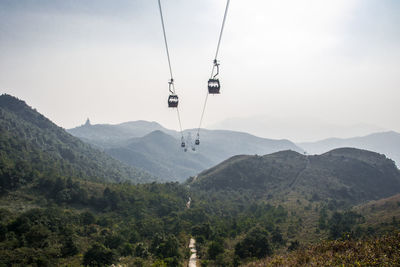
[[337, 61]]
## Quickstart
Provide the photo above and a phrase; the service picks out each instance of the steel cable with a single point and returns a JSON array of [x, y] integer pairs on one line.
[[215, 62], [169, 64]]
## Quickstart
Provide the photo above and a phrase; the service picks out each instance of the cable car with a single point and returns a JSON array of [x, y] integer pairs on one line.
[[183, 142], [213, 83], [213, 86], [173, 101], [197, 141]]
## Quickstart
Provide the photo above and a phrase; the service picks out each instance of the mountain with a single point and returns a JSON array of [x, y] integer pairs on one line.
[[159, 153], [106, 135], [387, 143], [218, 145], [32, 145], [60, 204], [347, 174], [295, 128]]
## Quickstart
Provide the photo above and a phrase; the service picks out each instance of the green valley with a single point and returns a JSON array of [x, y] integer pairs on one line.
[[65, 203]]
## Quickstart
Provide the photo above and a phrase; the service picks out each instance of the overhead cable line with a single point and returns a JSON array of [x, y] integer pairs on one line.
[[173, 99], [213, 83]]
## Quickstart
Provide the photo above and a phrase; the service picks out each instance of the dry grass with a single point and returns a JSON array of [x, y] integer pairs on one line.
[[382, 251]]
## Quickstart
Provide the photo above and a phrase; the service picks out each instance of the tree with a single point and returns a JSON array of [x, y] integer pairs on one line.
[[293, 245], [165, 247], [113, 241], [341, 223], [37, 236], [214, 249], [277, 237], [69, 248], [126, 250], [87, 218], [98, 256], [255, 244]]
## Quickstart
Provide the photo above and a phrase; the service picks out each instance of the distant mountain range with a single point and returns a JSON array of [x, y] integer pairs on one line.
[[107, 136], [387, 143], [31, 145], [159, 152], [345, 174], [161, 155], [297, 129], [153, 148]]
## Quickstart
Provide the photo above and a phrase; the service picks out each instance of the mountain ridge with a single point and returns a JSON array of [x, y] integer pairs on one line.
[[381, 142], [353, 174], [154, 152], [29, 138]]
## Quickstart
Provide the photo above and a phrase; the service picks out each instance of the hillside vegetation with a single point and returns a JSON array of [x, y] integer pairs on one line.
[[32, 146], [64, 222], [63, 203], [287, 200], [380, 251], [348, 174]]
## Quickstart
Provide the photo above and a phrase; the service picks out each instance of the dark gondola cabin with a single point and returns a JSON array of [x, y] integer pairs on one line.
[[183, 143], [213, 86], [197, 142], [173, 101]]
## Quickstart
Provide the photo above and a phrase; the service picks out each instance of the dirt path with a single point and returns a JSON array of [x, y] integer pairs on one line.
[[188, 203], [193, 255], [192, 245]]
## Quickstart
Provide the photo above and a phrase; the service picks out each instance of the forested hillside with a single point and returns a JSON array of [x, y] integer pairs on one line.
[[31, 146], [273, 204], [349, 174], [67, 222], [60, 205]]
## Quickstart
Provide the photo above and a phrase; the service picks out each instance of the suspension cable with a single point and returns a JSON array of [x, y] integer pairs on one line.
[[171, 82], [202, 114], [179, 119], [165, 41], [222, 29], [214, 65]]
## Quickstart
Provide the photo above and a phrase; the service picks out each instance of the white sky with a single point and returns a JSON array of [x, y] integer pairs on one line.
[[334, 60]]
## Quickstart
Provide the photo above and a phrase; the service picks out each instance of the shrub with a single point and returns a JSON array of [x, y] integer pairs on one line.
[[255, 244]]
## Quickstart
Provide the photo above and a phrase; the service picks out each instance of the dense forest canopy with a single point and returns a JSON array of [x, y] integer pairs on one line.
[[63, 203]]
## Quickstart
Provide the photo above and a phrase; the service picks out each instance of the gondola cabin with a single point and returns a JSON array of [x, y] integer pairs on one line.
[[173, 101], [213, 86]]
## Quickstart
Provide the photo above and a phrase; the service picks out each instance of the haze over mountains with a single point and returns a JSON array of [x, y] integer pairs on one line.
[[159, 153], [387, 143], [151, 147], [296, 129]]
